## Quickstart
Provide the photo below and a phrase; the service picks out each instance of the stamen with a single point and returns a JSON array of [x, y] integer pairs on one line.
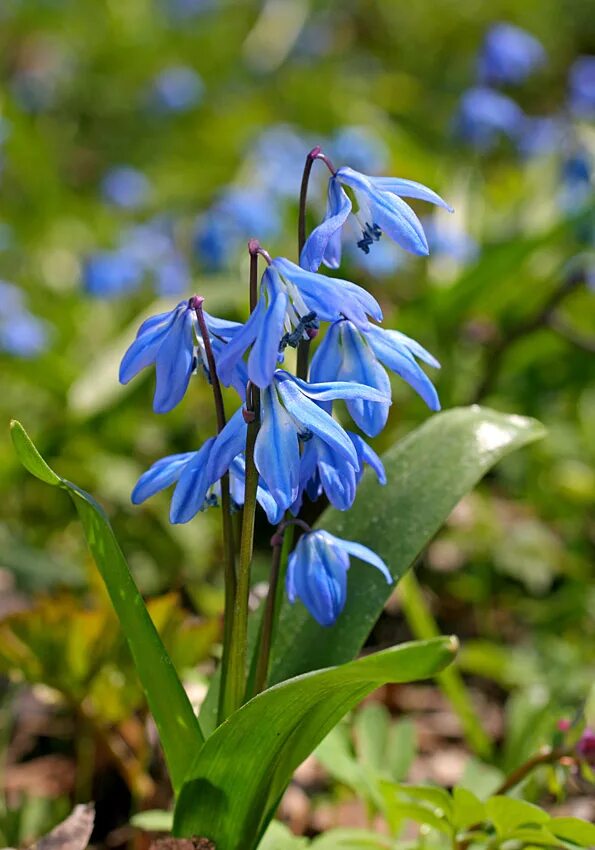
[[370, 233], [306, 328]]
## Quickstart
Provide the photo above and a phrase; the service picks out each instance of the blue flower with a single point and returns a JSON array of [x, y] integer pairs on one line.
[[197, 476], [484, 115], [107, 274], [582, 87], [125, 187], [177, 89], [509, 54], [21, 333], [317, 573], [447, 238], [167, 340], [319, 473], [380, 209], [291, 304], [541, 135], [348, 354], [576, 180], [290, 412]]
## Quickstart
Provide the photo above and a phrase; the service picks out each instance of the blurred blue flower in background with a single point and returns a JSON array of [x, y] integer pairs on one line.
[[21, 333], [383, 261], [176, 89], [181, 11], [508, 55], [235, 216], [446, 238], [277, 158], [125, 187], [107, 274], [582, 87], [484, 115], [541, 135], [360, 147], [576, 187]]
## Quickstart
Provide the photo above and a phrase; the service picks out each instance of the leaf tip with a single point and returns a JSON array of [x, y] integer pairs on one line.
[[453, 645], [29, 456]]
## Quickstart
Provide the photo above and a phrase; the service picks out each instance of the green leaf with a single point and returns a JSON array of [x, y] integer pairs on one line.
[[428, 472], [507, 813], [178, 727], [350, 839], [573, 829], [241, 772], [371, 728], [401, 748], [279, 837], [437, 799], [153, 820], [467, 810]]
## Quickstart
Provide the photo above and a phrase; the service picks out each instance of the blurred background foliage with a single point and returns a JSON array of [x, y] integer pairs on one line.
[[141, 144]]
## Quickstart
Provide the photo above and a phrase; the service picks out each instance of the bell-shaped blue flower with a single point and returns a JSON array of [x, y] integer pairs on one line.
[[485, 115], [380, 209], [320, 473], [317, 573], [169, 341], [197, 476], [348, 354], [292, 302], [291, 411]]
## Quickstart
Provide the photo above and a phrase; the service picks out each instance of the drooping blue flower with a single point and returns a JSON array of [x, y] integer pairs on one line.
[[348, 354], [291, 411], [509, 54], [166, 340], [319, 474], [176, 89], [125, 187], [380, 209], [582, 87], [197, 476], [485, 115], [292, 302], [317, 573]]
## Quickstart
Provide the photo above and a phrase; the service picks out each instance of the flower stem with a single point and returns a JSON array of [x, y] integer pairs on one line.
[[229, 560], [238, 652], [303, 352], [281, 541]]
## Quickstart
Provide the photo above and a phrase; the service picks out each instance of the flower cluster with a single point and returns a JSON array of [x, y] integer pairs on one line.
[[300, 449]]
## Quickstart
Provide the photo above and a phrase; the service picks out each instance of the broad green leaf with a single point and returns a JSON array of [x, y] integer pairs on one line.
[[177, 724], [241, 772], [336, 754], [437, 799], [573, 829], [399, 812], [428, 473], [507, 813], [153, 820], [467, 810]]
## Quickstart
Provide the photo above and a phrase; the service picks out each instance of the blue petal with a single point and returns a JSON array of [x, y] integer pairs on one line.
[[397, 220], [241, 341], [414, 347], [360, 365], [265, 500], [326, 362], [143, 351], [228, 445], [409, 189], [317, 574], [364, 554], [222, 328], [276, 452], [159, 476], [263, 357], [338, 479], [191, 490], [366, 454], [239, 373], [330, 297], [400, 360], [311, 418], [331, 390], [324, 243], [173, 364]]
